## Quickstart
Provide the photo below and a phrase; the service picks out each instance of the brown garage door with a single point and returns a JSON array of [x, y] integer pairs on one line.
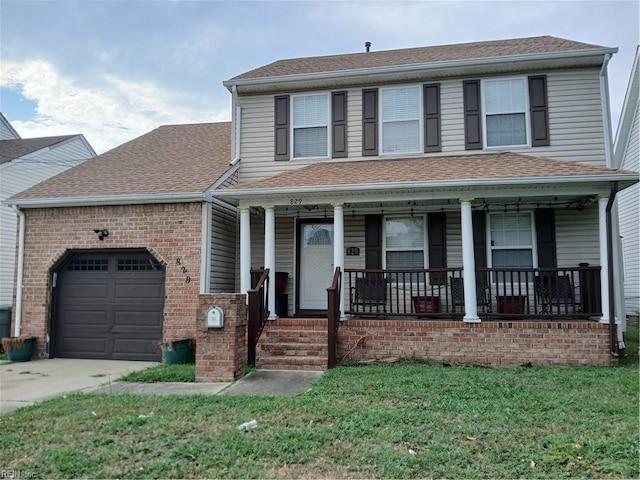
[[109, 306]]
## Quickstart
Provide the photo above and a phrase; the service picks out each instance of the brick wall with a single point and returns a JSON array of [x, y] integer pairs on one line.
[[168, 231], [221, 353], [565, 343]]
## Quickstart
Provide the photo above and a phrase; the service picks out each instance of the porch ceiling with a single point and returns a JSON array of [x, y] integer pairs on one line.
[[431, 179]]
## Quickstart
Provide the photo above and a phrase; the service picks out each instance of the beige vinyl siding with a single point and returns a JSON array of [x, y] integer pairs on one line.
[[629, 213], [223, 248], [454, 239], [575, 123], [577, 237], [18, 175]]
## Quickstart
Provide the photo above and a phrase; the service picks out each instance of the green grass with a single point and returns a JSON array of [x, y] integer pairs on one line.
[[377, 421], [630, 356], [185, 372]]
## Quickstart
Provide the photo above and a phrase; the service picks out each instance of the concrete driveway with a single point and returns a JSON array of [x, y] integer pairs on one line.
[[25, 383]]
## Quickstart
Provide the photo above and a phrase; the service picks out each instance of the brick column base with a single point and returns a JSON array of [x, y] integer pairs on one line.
[[221, 353]]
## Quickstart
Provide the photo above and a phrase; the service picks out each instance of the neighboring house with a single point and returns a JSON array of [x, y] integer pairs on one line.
[[627, 156], [25, 162], [117, 249], [468, 184]]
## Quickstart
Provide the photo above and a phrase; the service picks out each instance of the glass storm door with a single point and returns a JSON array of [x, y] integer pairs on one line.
[[316, 265]]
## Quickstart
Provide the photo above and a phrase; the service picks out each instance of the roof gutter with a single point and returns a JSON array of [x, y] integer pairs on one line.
[[431, 66], [20, 271], [235, 192], [134, 199]]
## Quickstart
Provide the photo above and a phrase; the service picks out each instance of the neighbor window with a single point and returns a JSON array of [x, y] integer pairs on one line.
[[505, 112], [310, 116], [511, 240], [400, 114], [404, 243]]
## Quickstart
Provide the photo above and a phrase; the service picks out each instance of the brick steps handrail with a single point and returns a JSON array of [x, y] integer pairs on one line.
[[258, 314]]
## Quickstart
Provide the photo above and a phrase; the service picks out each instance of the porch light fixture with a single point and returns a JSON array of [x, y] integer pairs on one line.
[[101, 233], [309, 208]]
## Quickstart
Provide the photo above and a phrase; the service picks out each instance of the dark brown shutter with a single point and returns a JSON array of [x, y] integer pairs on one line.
[[432, 118], [479, 239], [546, 237], [472, 115], [539, 111], [373, 241], [281, 122], [437, 236], [370, 121], [339, 123]]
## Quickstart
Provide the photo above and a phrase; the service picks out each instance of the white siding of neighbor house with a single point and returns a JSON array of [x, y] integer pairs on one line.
[[17, 176], [223, 248], [575, 124], [629, 213]]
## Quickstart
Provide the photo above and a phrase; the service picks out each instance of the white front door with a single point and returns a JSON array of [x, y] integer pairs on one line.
[[316, 265]]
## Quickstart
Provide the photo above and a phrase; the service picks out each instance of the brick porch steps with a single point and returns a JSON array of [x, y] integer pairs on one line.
[[293, 344]]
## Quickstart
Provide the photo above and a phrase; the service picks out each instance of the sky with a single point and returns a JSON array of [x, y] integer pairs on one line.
[[114, 70]]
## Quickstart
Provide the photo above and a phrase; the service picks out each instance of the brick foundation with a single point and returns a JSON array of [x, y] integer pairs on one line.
[[565, 343], [221, 353], [168, 231]]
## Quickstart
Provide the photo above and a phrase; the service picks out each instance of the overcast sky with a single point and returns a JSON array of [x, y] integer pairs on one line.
[[113, 70]]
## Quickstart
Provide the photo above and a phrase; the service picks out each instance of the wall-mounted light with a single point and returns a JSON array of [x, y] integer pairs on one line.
[[101, 233]]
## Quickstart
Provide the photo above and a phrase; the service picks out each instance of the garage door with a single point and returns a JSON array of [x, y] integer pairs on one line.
[[109, 306]]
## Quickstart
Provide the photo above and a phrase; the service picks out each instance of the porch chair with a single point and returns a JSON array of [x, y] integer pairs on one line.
[[482, 297], [370, 294], [555, 291]]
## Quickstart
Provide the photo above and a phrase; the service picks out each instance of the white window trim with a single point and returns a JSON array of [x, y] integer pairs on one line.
[[527, 121], [425, 245], [293, 127], [534, 236], [381, 123]]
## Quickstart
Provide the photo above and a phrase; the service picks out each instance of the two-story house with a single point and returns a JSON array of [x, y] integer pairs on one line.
[[460, 195]]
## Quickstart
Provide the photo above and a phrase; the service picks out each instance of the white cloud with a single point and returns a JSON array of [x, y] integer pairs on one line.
[[109, 115]]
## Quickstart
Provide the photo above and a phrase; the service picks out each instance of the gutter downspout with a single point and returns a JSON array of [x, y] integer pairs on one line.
[[237, 123], [606, 117], [20, 272], [613, 330]]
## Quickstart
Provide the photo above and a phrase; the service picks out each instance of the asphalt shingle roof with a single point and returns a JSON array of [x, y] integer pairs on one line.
[[169, 159], [418, 55], [16, 148], [426, 169]]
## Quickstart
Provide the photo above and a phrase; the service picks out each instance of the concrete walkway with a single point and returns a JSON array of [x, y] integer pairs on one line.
[[25, 383]]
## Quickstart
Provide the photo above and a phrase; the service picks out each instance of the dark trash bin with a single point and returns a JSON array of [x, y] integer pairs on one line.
[[5, 322]]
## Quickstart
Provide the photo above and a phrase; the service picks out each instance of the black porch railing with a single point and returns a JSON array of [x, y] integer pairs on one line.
[[333, 317], [501, 293], [258, 314]]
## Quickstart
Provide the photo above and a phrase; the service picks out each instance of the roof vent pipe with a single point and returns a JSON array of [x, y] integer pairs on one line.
[[367, 45]]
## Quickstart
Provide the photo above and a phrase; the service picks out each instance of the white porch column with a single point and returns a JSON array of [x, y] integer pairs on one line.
[[338, 246], [468, 263], [270, 256], [245, 250], [604, 257]]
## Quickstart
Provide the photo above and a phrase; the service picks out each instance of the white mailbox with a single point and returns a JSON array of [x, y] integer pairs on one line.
[[215, 317]]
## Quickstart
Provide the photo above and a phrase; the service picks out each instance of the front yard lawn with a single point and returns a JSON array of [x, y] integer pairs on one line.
[[378, 421]]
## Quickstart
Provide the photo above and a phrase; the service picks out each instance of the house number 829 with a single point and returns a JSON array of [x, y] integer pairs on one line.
[[295, 201]]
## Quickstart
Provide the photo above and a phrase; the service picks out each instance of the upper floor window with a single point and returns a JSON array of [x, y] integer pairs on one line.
[[400, 118], [505, 112], [310, 117]]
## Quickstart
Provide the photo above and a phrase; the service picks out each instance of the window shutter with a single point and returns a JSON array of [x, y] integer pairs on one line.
[[539, 112], [472, 115], [281, 122], [437, 236], [546, 237], [339, 123], [478, 220], [431, 100], [370, 121], [373, 241]]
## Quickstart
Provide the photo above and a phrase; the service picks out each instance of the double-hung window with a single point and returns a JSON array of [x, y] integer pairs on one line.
[[404, 243], [505, 112], [400, 115], [511, 240], [310, 119]]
